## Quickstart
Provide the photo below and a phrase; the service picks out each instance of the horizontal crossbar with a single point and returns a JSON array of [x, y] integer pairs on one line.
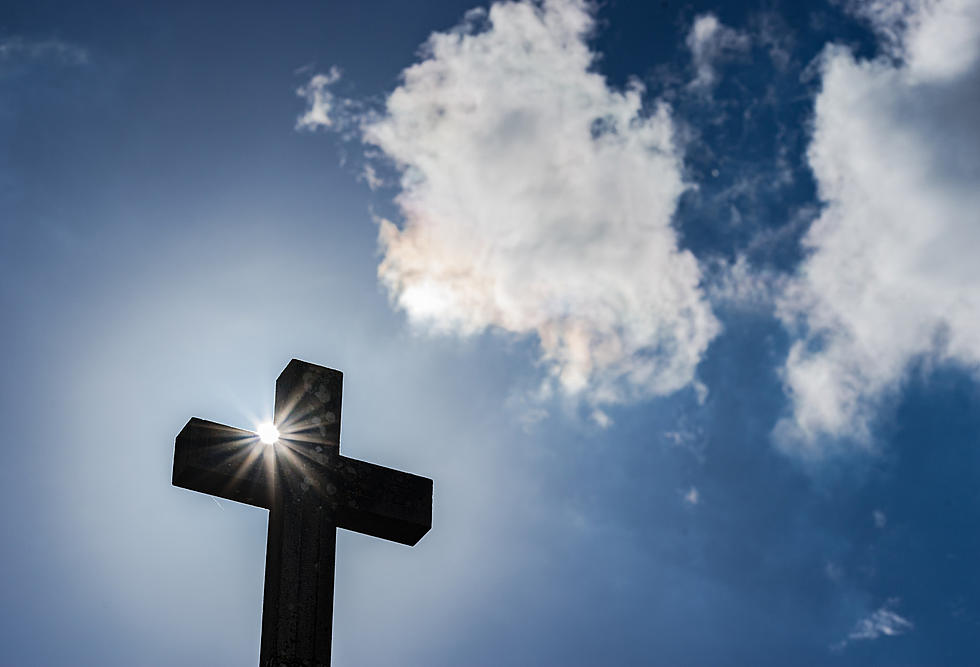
[[367, 498]]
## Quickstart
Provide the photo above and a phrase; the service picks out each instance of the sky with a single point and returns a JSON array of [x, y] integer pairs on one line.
[[676, 303]]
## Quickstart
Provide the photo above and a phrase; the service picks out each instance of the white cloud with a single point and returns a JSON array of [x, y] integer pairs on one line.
[[880, 518], [740, 285], [538, 201], [710, 42], [892, 273], [601, 419], [692, 497], [882, 623], [320, 101], [370, 176], [691, 440], [935, 38]]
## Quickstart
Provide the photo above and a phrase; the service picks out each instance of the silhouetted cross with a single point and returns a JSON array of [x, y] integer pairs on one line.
[[309, 490]]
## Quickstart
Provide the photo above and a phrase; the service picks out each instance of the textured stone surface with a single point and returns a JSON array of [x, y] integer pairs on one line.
[[310, 490]]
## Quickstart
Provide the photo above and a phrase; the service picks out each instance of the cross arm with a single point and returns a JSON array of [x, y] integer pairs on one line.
[[383, 502], [223, 461]]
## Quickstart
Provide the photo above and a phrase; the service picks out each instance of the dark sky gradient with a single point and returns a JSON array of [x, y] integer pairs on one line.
[[168, 241]]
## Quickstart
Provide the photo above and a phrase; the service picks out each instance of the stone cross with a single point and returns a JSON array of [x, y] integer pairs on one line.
[[310, 490]]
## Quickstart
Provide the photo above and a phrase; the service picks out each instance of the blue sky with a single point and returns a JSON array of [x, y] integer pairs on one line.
[[676, 303]]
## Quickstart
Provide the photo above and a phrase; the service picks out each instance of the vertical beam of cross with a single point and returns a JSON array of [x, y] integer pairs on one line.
[[297, 611], [310, 489]]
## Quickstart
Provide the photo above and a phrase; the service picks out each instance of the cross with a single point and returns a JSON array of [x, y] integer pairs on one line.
[[310, 490]]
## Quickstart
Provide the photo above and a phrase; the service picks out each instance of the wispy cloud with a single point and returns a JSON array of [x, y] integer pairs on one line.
[[537, 200], [711, 42], [17, 48], [739, 285], [319, 99], [884, 622]]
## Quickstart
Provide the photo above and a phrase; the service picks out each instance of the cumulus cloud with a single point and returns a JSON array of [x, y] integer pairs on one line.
[[936, 39], [710, 42], [891, 274], [537, 200]]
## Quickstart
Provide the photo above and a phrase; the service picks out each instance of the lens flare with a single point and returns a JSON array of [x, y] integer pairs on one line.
[[268, 433]]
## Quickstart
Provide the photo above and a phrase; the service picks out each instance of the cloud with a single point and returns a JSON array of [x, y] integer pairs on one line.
[[710, 42], [879, 518], [882, 623], [18, 48], [891, 275], [772, 32], [601, 419], [370, 176], [935, 39], [740, 285], [320, 101], [692, 497], [537, 201]]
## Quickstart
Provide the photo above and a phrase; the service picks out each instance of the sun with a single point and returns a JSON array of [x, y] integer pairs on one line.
[[268, 433]]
